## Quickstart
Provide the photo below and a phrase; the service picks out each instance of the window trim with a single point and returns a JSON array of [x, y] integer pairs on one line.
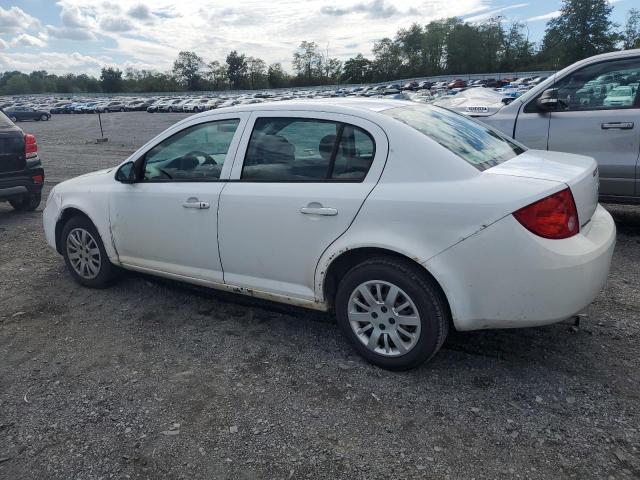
[[141, 161], [531, 106], [328, 178]]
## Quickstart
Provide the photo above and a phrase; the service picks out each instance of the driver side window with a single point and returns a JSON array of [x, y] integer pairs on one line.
[[196, 153], [602, 86]]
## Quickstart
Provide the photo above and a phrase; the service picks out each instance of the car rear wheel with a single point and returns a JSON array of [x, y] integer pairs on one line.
[[392, 312], [13, 118], [85, 255], [26, 204], [122, 110], [44, 117]]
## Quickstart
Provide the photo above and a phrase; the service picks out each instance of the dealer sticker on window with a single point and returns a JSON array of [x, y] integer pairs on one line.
[[478, 109]]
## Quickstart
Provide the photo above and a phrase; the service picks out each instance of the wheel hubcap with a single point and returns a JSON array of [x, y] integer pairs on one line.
[[384, 318], [83, 253]]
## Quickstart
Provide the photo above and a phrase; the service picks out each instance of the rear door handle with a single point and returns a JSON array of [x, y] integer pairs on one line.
[[315, 208], [193, 202], [617, 125]]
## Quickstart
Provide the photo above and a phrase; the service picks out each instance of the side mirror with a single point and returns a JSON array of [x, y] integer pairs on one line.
[[127, 173], [549, 100]]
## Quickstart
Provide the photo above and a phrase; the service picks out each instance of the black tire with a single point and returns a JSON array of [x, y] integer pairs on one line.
[[13, 119], [27, 203], [44, 117], [122, 109], [107, 271], [426, 295]]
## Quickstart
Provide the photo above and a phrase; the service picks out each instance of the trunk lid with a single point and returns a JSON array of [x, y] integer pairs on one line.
[[580, 173]]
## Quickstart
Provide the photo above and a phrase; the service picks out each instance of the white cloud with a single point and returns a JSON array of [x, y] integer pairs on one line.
[[14, 20], [26, 40], [70, 33], [141, 12], [546, 16], [3, 45], [151, 33], [115, 24], [53, 62], [494, 13]]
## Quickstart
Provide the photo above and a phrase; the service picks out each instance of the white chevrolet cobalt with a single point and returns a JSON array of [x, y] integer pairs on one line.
[[406, 220]]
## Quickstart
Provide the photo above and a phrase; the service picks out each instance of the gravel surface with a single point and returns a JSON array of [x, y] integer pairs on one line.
[[153, 379]]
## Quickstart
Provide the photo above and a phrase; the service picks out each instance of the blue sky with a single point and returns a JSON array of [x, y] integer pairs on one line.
[[81, 36]]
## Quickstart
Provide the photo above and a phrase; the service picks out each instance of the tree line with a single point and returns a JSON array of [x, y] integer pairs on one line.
[[447, 46]]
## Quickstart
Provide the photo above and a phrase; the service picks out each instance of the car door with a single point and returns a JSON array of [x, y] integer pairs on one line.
[[591, 122], [298, 181], [167, 221]]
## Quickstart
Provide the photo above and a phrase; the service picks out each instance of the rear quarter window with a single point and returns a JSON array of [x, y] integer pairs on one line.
[[472, 141], [4, 121]]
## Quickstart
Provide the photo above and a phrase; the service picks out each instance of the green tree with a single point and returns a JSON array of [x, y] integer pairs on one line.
[[256, 69], [236, 69], [276, 76], [631, 34], [582, 29], [187, 68], [332, 70], [357, 69], [387, 63], [307, 61], [517, 51], [410, 43], [217, 75], [110, 79]]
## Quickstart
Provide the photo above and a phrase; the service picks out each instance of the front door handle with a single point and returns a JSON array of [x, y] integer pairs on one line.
[[315, 208], [617, 125], [193, 202]]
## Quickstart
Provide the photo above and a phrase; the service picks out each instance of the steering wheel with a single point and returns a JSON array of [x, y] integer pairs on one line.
[[208, 159]]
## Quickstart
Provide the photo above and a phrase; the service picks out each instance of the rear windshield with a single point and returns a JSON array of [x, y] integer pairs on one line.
[[472, 141]]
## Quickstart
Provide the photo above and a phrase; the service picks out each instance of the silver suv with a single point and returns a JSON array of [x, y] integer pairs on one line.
[[592, 108]]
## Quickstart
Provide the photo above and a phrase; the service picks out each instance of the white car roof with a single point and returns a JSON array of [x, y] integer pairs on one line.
[[336, 105]]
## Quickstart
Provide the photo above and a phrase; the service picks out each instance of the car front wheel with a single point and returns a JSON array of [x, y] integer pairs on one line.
[[44, 117], [85, 255], [392, 312]]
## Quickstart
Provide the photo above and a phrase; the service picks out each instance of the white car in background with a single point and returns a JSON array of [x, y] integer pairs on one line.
[[621, 96], [196, 105], [405, 219]]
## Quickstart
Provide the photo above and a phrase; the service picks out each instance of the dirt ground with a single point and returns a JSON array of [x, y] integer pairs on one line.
[[153, 379]]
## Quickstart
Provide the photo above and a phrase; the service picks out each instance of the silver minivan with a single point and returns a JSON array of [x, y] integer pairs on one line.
[[591, 108]]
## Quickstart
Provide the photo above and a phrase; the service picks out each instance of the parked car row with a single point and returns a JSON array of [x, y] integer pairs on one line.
[[39, 107]]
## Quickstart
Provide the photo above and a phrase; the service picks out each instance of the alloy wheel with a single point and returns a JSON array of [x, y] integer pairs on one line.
[[384, 318], [84, 254]]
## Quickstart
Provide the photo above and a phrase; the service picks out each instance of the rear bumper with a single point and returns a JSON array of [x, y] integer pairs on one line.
[[507, 277], [21, 183]]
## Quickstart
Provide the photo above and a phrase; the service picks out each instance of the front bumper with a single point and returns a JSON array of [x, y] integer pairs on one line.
[[19, 184], [506, 277]]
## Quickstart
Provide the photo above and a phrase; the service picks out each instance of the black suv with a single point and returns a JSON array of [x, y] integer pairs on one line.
[[21, 173]]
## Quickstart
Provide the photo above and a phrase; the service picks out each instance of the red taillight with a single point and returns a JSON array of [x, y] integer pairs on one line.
[[37, 179], [30, 145], [553, 217]]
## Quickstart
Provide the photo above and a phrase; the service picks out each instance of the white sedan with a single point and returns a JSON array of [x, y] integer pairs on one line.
[[406, 220]]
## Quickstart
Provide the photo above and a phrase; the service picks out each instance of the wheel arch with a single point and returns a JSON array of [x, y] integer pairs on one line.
[[65, 215], [338, 265]]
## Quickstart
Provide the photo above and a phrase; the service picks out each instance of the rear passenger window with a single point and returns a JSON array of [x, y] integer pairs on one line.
[[301, 149]]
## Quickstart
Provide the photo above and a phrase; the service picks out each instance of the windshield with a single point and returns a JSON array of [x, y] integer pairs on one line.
[[472, 141]]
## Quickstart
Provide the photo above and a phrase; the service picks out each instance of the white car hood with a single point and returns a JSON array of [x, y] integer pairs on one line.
[[476, 102]]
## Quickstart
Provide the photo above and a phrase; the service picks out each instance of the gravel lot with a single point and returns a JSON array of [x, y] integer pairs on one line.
[[153, 379]]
